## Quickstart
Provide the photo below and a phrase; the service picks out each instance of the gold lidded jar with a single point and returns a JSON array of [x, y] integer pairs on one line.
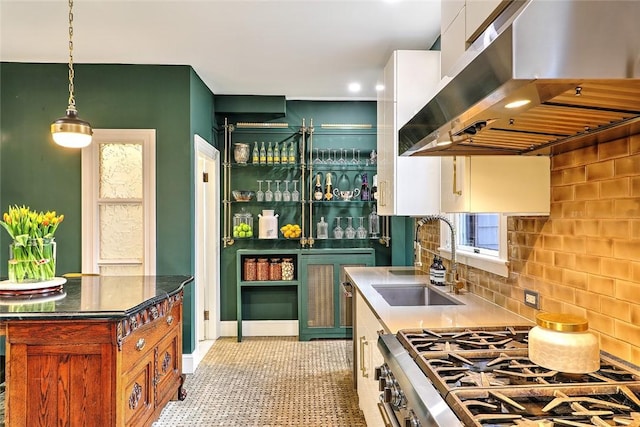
[[249, 269], [562, 342], [275, 269], [262, 269], [287, 269]]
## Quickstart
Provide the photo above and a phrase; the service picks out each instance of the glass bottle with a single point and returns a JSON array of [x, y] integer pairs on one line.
[[364, 189], [287, 269], [328, 188], [292, 154], [270, 154], [255, 155], [275, 269], [317, 189], [374, 223], [374, 188], [322, 229], [276, 154], [249, 269], [263, 154], [262, 269]]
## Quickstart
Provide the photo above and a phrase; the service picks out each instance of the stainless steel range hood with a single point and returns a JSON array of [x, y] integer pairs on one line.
[[576, 61]]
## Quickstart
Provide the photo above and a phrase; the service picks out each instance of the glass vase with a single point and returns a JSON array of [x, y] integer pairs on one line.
[[32, 261]]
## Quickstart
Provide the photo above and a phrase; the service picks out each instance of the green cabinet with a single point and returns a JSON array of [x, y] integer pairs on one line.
[[324, 306]]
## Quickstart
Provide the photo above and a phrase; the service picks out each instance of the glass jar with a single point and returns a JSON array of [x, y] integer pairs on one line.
[[249, 268], [242, 225], [275, 269], [262, 269], [287, 269]]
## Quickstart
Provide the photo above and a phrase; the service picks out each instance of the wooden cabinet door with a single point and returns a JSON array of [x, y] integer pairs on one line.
[[138, 393]]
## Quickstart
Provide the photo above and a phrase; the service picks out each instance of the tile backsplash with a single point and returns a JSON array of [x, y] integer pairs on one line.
[[584, 258]]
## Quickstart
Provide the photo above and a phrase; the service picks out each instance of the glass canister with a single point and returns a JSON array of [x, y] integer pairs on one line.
[[287, 269], [262, 269], [242, 225], [249, 269], [275, 269]]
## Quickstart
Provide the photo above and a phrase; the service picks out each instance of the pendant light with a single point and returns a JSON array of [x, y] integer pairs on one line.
[[70, 131]]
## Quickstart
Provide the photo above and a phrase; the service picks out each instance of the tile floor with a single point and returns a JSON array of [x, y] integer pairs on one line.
[[269, 382]]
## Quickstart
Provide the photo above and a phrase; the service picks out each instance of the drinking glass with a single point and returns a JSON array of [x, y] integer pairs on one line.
[[295, 194], [353, 156], [361, 232], [317, 160], [329, 159], [341, 160], [268, 195], [322, 152], [260, 193], [338, 232], [286, 194], [344, 183], [350, 232], [277, 195]]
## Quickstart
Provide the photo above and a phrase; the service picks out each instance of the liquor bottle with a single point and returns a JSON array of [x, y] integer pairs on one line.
[[374, 223], [292, 154], [365, 194], [317, 189], [263, 154], [255, 155], [276, 154], [328, 188], [374, 188], [270, 154]]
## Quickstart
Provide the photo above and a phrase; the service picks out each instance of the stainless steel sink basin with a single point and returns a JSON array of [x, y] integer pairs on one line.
[[414, 294]]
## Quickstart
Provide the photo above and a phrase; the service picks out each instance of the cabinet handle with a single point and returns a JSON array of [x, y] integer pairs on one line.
[[140, 344], [363, 368], [383, 193], [455, 178], [169, 320]]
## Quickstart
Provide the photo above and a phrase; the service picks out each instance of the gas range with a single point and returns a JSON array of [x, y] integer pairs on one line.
[[487, 380]]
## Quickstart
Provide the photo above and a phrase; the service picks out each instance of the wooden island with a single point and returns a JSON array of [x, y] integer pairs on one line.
[[103, 351]]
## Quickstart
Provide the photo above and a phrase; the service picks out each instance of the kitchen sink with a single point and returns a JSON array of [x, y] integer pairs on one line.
[[414, 295]]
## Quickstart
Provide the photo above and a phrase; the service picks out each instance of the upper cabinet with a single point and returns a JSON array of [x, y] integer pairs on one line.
[[406, 185], [504, 184], [462, 22]]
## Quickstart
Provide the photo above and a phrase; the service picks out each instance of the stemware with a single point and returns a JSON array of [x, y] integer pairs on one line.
[[350, 232], [277, 195], [344, 183], [286, 194], [353, 156], [268, 195], [338, 232], [361, 232], [317, 160], [329, 159], [260, 193], [295, 194], [341, 160], [322, 151]]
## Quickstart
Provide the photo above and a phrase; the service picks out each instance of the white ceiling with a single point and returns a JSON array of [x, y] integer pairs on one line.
[[303, 49]]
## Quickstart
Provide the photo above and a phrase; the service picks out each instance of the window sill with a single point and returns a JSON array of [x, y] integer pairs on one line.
[[493, 265]]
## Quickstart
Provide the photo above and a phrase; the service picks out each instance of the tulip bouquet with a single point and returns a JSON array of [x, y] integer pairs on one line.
[[32, 254]]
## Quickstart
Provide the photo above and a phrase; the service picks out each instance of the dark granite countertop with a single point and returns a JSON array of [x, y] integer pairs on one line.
[[93, 297]]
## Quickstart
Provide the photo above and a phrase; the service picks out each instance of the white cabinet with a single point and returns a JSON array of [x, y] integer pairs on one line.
[[368, 357], [406, 185], [479, 14], [505, 184]]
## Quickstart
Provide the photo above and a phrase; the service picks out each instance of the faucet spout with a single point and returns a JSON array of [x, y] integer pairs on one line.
[[422, 221]]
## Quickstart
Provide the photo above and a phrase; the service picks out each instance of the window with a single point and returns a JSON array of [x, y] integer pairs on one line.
[[481, 241]]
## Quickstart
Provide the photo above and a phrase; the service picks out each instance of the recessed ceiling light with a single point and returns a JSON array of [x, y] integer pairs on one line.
[[379, 87], [354, 87], [518, 103]]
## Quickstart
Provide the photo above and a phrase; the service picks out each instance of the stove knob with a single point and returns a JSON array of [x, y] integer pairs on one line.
[[378, 373], [411, 420], [382, 384], [386, 395]]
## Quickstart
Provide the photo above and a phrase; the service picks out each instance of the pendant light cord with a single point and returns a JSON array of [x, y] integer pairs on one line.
[[72, 100]]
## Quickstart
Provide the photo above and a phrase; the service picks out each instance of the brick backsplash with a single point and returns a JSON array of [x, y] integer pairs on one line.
[[584, 258]]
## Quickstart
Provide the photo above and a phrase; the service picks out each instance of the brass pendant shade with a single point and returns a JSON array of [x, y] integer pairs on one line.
[[70, 131]]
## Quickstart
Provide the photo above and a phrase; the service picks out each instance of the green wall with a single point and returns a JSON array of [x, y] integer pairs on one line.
[[36, 172]]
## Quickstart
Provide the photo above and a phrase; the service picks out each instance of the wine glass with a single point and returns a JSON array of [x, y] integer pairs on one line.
[[322, 152], [344, 183], [277, 195], [260, 193], [361, 232], [295, 194], [317, 160], [353, 156], [341, 160], [268, 195], [350, 232], [329, 159], [286, 194], [338, 232]]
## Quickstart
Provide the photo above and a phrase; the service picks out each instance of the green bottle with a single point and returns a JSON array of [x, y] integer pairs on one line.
[[292, 154], [276, 154], [270, 154]]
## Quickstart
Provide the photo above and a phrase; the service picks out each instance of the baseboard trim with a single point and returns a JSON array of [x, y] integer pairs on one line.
[[191, 361], [260, 328]]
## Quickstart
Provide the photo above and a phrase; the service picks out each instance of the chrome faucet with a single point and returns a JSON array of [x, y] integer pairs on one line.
[[454, 265]]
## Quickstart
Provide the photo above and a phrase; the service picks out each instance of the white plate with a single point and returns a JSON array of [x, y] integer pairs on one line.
[[34, 299], [6, 285]]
